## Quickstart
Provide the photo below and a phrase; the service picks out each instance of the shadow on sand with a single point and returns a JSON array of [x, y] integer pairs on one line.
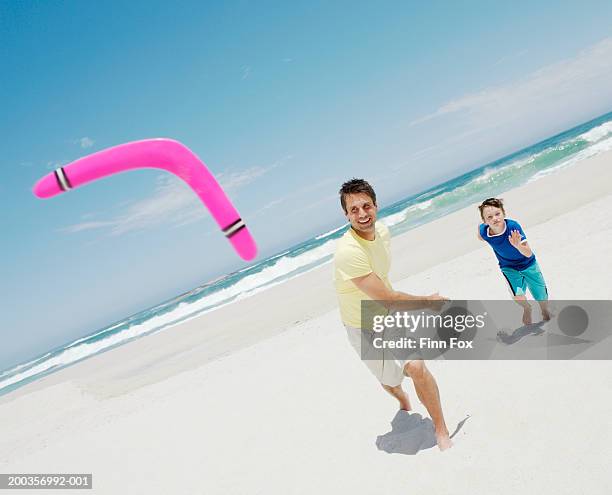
[[410, 433], [520, 332]]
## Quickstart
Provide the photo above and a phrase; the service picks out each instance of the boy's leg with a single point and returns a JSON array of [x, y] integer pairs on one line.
[[427, 390], [537, 287], [546, 314], [522, 301], [518, 286]]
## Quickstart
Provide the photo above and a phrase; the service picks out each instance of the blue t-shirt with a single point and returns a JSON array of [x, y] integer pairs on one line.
[[507, 255]]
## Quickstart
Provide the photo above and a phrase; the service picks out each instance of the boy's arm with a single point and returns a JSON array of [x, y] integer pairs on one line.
[[478, 233], [374, 287]]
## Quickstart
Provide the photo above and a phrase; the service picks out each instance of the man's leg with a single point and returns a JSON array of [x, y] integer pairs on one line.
[[427, 390], [400, 395]]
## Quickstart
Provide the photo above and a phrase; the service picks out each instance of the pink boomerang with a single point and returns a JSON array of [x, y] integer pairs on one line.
[[166, 154]]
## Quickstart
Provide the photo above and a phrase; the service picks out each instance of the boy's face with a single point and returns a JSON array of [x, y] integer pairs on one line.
[[493, 217]]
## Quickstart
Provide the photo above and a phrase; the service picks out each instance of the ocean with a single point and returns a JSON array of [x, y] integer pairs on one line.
[[492, 179]]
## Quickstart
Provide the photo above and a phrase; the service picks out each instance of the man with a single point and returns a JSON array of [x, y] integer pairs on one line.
[[362, 262]]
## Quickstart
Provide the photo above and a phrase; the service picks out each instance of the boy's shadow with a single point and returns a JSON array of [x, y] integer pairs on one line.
[[520, 332], [409, 434]]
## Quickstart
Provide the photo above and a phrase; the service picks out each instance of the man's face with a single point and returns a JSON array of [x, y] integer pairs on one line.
[[361, 212], [493, 217]]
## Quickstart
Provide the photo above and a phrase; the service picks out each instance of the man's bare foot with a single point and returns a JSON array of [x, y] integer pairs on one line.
[[527, 320], [546, 316], [405, 405], [444, 441]]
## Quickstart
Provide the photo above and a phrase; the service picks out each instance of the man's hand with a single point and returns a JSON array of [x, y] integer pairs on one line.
[[436, 301]]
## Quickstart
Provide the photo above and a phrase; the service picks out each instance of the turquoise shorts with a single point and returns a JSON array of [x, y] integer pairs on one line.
[[530, 278]]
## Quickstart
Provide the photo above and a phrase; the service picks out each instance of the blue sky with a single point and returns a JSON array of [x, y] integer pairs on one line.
[[283, 101]]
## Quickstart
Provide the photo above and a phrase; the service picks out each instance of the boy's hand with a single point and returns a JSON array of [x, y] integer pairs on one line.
[[519, 244], [515, 238]]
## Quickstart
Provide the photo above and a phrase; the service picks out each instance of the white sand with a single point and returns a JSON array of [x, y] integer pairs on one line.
[[274, 400]]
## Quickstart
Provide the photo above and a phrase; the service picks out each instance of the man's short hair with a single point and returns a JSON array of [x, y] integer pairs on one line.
[[498, 203], [356, 186]]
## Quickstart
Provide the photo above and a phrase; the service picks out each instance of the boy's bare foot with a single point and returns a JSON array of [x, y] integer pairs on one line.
[[527, 320], [546, 316], [444, 441]]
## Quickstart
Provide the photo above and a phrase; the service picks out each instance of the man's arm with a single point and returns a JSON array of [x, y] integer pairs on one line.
[[374, 287]]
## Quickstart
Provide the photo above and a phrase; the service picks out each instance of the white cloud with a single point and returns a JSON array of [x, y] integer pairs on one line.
[[86, 142], [420, 154], [298, 197], [512, 56], [269, 205], [327, 199], [172, 202], [234, 180], [86, 226], [584, 80], [55, 164], [246, 72]]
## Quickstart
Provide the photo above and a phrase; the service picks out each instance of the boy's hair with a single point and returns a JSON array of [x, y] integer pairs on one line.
[[496, 202], [355, 186]]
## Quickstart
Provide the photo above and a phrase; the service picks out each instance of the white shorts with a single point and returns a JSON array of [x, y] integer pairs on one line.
[[388, 370]]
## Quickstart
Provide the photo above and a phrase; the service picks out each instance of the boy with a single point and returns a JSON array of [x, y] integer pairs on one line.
[[516, 260]]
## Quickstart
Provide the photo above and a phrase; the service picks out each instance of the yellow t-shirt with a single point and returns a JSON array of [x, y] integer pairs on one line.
[[356, 257]]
